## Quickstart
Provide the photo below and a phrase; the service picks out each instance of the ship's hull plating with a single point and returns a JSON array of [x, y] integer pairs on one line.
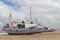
[[20, 33], [14, 31]]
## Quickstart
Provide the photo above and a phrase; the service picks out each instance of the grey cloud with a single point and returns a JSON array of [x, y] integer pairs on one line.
[[42, 9]]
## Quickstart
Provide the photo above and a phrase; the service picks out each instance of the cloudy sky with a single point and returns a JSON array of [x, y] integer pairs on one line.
[[47, 11]]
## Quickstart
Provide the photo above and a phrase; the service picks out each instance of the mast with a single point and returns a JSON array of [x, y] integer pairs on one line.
[[10, 18], [49, 23], [30, 12]]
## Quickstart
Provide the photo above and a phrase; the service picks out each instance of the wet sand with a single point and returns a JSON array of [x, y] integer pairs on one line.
[[38, 36]]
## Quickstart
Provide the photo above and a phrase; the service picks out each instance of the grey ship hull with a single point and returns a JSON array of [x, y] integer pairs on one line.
[[16, 31], [29, 30]]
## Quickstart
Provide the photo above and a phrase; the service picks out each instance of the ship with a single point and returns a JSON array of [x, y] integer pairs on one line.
[[21, 27], [15, 27]]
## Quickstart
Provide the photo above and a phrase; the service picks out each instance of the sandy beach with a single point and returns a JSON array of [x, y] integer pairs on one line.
[[38, 36]]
